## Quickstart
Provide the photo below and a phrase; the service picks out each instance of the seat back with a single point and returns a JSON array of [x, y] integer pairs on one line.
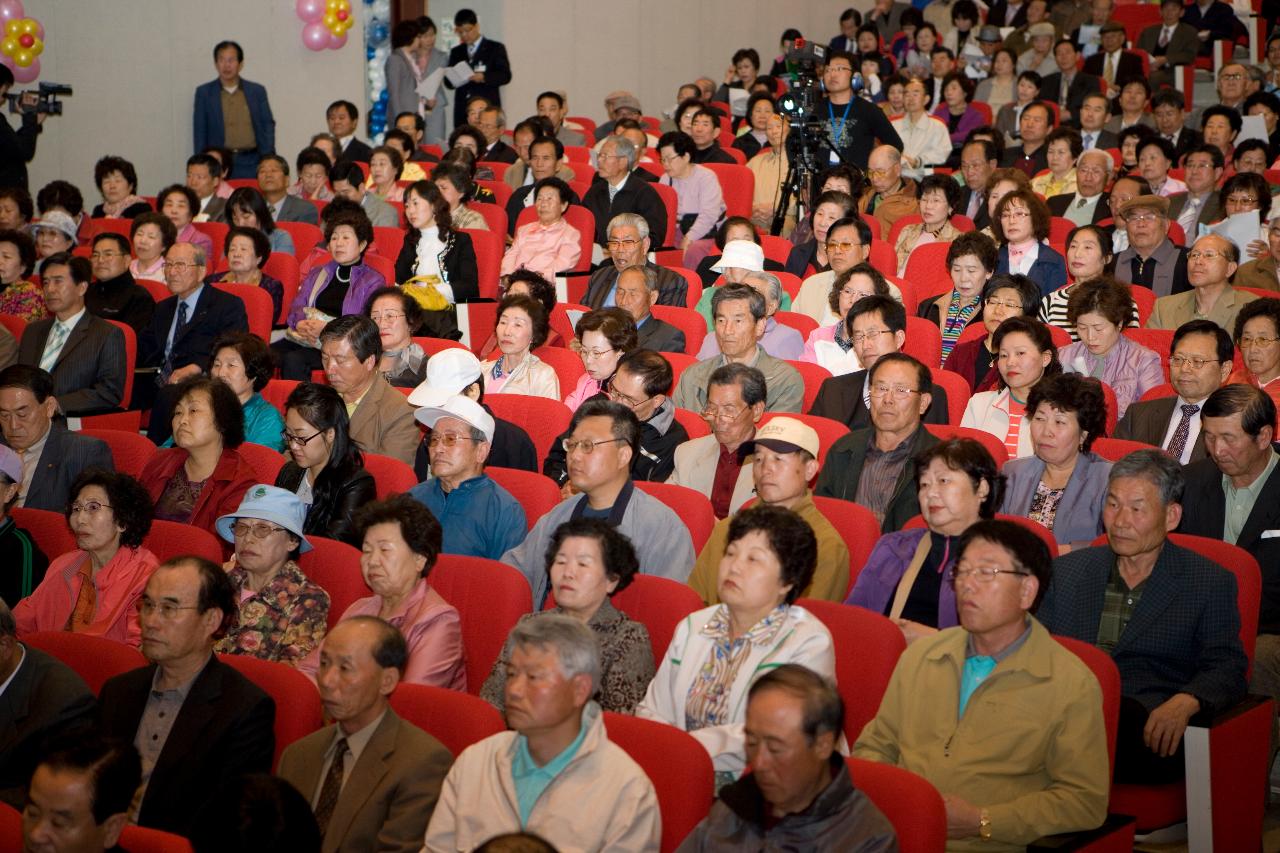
[[802, 323], [388, 240], [15, 325], [457, 720], [669, 201], [659, 604], [1248, 577], [993, 445], [1115, 449], [566, 363], [488, 248], [501, 191], [693, 423], [130, 359], [95, 659], [277, 391], [494, 216], [856, 525], [130, 452], [958, 393], [305, 237], [737, 185], [690, 506], [298, 710], [1104, 669], [169, 539], [433, 346], [490, 598], [679, 363], [390, 475], [686, 320], [910, 802], [927, 269], [543, 419], [47, 527], [142, 839], [537, 493], [813, 375], [924, 342], [867, 647], [677, 765], [335, 567], [265, 461], [257, 304]]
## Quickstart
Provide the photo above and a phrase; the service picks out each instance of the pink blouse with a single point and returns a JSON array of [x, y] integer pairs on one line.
[[119, 584], [544, 249]]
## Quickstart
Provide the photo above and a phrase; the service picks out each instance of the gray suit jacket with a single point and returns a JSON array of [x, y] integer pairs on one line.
[[1149, 421], [65, 455], [1171, 268], [696, 461], [387, 800], [401, 85], [381, 214], [90, 373], [216, 209], [660, 336], [294, 209], [1183, 47], [1079, 517], [1208, 214]]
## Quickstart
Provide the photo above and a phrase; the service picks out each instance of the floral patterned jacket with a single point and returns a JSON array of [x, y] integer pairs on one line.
[[283, 622]]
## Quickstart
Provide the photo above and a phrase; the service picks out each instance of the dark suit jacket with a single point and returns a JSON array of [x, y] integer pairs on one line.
[[840, 475], [501, 152], [1000, 9], [356, 151], [636, 196], [1219, 20], [223, 731], [294, 209], [1149, 421], [983, 218], [216, 312], [1182, 48], [1082, 84], [65, 455], [1204, 514], [673, 288], [1184, 636], [1058, 206], [208, 124], [840, 399], [491, 58], [1129, 67], [46, 701], [660, 336], [387, 801], [89, 375]]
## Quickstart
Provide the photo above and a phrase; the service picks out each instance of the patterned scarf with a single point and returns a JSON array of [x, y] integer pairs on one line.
[[958, 318], [114, 210]]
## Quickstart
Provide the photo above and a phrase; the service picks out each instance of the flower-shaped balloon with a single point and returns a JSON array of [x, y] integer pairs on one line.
[[327, 22], [21, 46]]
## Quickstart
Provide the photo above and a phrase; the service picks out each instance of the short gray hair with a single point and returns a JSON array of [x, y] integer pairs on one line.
[[630, 220], [574, 643], [728, 292], [650, 276], [770, 281], [750, 381], [1109, 164], [1158, 468], [197, 252], [625, 147]]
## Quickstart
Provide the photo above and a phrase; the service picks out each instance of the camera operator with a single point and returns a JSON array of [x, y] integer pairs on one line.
[[854, 124], [17, 147]]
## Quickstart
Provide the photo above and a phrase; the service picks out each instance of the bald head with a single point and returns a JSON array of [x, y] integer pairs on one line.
[[884, 168], [1211, 261]]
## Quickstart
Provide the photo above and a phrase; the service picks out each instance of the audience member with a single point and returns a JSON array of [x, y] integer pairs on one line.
[[1056, 780], [522, 326], [1020, 224], [180, 206], [113, 294], [831, 345], [437, 263], [978, 160], [721, 465], [116, 179], [860, 125], [256, 809], [1182, 660], [889, 196], [282, 613], [390, 770], [628, 244], [938, 196], [616, 193], [602, 337], [808, 255], [79, 797], [247, 251], [971, 259], [1263, 272], [1099, 310], [19, 296], [636, 292], [152, 235], [1089, 256], [1087, 203], [1025, 355], [197, 722], [399, 318], [549, 245], [779, 340], [273, 183], [24, 563], [1210, 265], [244, 363], [1256, 335], [1003, 297], [204, 178]]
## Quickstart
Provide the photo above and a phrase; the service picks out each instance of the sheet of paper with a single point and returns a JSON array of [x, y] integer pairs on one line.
[[430, 84], [1241, 229], [738, 101], [1090, 38], [1252, 127], [458, 74]]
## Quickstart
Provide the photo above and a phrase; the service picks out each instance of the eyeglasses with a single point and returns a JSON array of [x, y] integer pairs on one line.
[[870, 335], [295, 440], [1202, 254], [1232, 76], [855, 294], [669, 159], [844, 68], [166, 609], [1195, 362], [101, 255], [899, 393], [379, 316], [1242, 199], [623, 244], [1015, 214], [178, 265], [91, 507], [618, 397], [1000, 303], [722, 413], [878, 173], [448, 439], [983, 575], [586, 445], [1260, 343], [588, 354], [841, 245], [1141, 217], [260, 530]]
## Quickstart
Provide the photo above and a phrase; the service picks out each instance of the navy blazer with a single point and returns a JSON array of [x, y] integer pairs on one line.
[[1078, 520], [217, 312], [1184, 636], [1204, 514], [490, 54], [1049, 272], [208, 125]]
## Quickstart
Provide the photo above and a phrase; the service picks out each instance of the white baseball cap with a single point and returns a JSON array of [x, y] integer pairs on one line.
[[457, 406], [743, 254], [448, 372]]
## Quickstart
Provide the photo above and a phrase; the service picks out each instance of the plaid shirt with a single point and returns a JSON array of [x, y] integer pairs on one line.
[[880, 474], [1118, 604]]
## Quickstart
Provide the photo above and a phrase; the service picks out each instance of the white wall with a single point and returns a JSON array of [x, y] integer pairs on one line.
[[135, 64]]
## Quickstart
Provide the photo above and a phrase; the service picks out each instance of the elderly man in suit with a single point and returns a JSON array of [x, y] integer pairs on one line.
[[1090, 203], [1068, 87], [181, 333], [636, 292], [1166, 615], [1212, 261], [372, 778], [628, 242], [720, 464], [1152, 260], [84, 353], [381, 418], [1112, 62], [879, 325], [198, 723], [618, 190], [1200, 364], [1170, 43], [1234, 495], [52, 456], [488, 60], [234, 113], [273, 182], [1213, 21], [43, 700], [1200, 204]]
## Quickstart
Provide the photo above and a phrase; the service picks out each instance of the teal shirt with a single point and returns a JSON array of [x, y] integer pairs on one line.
[[262, 424], [530, 779]]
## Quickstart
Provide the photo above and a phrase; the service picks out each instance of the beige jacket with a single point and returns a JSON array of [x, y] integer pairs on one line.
[[601, 801], [532, 377], [696, 462], [383, 423]]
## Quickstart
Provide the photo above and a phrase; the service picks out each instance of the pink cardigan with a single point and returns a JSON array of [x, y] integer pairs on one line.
[[119, 583], [431, 628]]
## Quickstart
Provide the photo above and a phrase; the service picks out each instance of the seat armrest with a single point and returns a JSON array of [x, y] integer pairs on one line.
[[1114, 836], [1226, 761]]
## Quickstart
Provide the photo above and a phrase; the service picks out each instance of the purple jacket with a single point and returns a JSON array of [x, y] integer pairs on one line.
[[364, 281], [878, 580], [968, 121], [1131, 369]]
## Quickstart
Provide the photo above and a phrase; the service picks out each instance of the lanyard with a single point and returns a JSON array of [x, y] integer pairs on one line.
[[837, 133]]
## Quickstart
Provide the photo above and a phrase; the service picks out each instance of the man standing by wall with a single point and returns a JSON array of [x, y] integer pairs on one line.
[[488, 61], [234, 113]]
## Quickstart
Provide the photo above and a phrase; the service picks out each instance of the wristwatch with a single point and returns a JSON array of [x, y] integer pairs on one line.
[[984, 825]]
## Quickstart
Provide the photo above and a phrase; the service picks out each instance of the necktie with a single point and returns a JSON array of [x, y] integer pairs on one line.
[[1109, 71], [613, 191], [1164, 36], [332, 785], [976, 670], [1088, 141], [1178, 443], [471, 50], [1082, 202], [975, 204], [1190, 213], [177, 331], [53, 347]]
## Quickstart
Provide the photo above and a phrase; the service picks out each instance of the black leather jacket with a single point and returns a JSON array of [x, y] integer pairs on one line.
[[331, 515]]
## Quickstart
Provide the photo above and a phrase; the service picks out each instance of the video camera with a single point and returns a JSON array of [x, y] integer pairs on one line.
[[46, 99]]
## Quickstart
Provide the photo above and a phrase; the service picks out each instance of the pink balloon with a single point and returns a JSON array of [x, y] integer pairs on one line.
[[11, 9], [308, 10], [39, 30], [336, 41], [25, 75], [315, 36]]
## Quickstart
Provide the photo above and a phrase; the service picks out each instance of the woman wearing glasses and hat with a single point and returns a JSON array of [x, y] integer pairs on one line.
[[283, 614]]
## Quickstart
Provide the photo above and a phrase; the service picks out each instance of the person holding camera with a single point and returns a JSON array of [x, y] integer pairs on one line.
[[18, 147]]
